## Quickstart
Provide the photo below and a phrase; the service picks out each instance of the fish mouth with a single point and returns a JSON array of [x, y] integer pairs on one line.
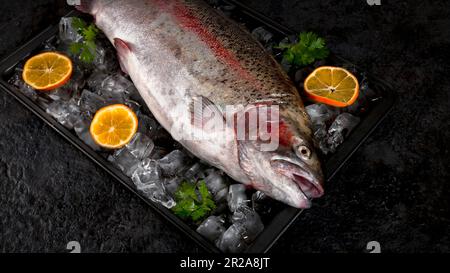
[[309, 183]]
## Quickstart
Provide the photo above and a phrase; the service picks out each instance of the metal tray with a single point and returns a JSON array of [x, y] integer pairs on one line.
[[286, 216]]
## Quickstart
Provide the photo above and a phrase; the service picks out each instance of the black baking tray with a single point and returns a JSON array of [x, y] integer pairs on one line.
[[286, 216]]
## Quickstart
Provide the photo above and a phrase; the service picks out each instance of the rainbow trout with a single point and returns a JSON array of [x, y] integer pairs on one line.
[[217, 91]]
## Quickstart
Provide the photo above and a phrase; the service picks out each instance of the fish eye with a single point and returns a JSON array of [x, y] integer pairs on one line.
[[303, 152]]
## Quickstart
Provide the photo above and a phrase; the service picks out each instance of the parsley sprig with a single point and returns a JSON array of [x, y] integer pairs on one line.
[[309, 48], [87, 47], [192, 205]]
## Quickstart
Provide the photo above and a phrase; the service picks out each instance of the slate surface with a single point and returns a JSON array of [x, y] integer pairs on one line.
[[394, 190]]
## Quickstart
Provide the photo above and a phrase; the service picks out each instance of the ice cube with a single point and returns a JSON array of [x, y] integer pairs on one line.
[[16, 77], [90, 102], [134, 105], [116, 86], [158, 194], [125, 161], [323, 146], [321, 135], [28, 90], [18, 82], [140, 146], [262, 35], [77, 81], [67, 33], [215, 182], [334, 141], [320, 116], [100, 55], [344, 124], [221, 201], [71, 88], [43, 102], [232, 239], [158, 152], [320, 113], [221, 196], [320, 131], [66, 113], [146, 172], [248, 216], [340, 129], [94, 82], [212, 228], [172, 184], [81, 127], [236, 196], [147, 178], [149, 126], [261, 202], [195, 172], [57, 110], [49, 45], [60, 93], [174, 162], [249, 219], [106, 56]]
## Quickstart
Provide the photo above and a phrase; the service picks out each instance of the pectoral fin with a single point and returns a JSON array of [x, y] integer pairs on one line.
[[123, 51]]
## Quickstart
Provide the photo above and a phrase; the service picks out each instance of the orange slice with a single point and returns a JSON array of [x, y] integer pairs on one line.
[[114, 126], [332, 85], [47, 71]]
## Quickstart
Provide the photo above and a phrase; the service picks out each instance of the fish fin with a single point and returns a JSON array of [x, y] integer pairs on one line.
[[84, 6], [204, 112], [123, 49]]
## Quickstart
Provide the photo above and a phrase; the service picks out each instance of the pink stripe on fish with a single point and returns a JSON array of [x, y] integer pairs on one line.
[[188, 21]]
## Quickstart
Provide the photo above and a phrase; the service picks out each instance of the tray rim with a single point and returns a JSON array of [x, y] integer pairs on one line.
[[280, 223]]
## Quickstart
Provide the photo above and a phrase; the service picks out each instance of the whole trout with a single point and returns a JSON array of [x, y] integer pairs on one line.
[[187, 59]]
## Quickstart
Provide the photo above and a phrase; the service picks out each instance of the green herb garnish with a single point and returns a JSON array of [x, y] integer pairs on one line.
[[192, 205], [309, 48], [87, 47]]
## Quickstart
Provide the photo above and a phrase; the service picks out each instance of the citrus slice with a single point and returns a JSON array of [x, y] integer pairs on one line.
[[47, 71], [114, 126], [332, 85]]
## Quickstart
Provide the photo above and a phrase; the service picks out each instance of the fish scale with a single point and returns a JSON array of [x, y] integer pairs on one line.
[[177, 51]]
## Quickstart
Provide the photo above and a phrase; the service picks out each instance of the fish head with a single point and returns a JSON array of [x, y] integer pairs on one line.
[[289, 170]]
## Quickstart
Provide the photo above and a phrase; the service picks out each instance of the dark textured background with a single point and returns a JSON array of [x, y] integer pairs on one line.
[[395, 189]]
